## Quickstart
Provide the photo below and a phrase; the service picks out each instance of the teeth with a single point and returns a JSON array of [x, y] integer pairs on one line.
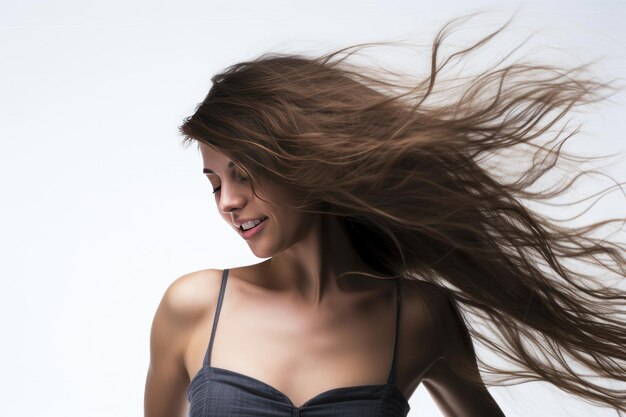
[[250, 224]]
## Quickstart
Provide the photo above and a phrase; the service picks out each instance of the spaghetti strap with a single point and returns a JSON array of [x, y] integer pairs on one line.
[[207, 357], [392, 373], [216, 391]]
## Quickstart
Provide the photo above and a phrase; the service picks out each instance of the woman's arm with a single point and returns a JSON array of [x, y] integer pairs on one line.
[[176, 316], [454, 396]]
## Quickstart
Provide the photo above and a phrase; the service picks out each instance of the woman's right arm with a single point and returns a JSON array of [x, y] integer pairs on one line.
[[167, 380]]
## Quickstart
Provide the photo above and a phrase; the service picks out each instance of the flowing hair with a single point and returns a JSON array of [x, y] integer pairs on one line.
[[404, 167]]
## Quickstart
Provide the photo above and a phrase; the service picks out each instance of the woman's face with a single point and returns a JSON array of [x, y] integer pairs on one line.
[[237, 203]]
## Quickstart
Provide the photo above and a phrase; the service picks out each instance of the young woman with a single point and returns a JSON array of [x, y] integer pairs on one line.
[[390, 245]]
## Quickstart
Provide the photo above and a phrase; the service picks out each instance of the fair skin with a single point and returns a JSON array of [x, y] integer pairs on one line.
[[312, 331], [307, 252]]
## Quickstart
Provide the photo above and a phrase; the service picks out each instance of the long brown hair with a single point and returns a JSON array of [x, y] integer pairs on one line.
[[404, 167]]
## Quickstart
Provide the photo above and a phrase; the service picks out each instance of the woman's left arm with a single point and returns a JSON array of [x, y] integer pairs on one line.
[[454, 396]]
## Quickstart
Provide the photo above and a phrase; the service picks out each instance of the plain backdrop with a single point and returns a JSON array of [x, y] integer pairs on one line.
[[101, 208]]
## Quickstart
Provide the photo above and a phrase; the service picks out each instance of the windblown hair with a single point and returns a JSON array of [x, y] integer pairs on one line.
[[400, 164]]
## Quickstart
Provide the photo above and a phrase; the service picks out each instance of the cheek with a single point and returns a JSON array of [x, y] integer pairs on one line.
[[298, 227]]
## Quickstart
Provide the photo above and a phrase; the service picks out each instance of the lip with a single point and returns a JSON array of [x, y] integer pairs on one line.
[[247, 234], [239, 222]]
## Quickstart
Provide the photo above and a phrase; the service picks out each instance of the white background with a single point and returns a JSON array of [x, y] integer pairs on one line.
[[101, 208]]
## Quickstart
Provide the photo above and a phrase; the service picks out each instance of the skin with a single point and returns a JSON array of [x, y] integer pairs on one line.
[[307, 251], [312, 330]]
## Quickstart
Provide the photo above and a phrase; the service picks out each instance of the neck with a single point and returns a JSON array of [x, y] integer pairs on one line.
[[312, 268]]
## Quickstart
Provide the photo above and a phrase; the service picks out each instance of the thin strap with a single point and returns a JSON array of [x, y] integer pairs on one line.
[[207, 356], [392, 373]]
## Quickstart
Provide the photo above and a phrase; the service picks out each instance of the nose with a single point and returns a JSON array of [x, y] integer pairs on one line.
[[232, 196]]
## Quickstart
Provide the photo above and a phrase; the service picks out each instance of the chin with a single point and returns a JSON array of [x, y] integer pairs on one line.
[[262, 254]]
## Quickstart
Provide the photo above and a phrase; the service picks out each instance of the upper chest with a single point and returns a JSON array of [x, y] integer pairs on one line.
[[305, 352]]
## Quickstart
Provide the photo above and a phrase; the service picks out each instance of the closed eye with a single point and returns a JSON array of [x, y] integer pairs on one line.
[[243, 178]]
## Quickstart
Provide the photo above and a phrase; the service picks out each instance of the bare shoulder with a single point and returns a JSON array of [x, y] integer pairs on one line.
[[183, 304], [425, 302], [434, 316], [436, 323], [419, 348], [185, 301], [451, 351], [192, 295]]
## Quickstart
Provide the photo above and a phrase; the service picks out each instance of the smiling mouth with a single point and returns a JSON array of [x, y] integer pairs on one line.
[[252, 231], [262, 219]]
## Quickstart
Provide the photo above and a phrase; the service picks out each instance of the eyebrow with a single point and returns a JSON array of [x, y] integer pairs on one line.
[[209, 171]]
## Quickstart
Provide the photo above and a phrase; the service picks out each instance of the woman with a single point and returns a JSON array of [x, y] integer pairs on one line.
[[389, 245]]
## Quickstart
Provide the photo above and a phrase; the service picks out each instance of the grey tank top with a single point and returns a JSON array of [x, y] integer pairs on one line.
[[218, 392]]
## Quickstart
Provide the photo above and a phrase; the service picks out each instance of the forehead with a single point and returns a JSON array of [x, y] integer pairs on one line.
[[211, 155], [215, 161]]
